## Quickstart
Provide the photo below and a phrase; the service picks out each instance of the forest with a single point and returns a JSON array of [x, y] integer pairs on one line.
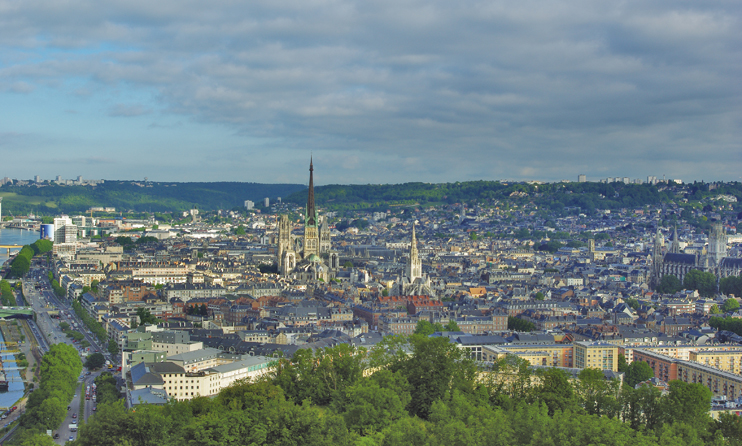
[[418, 390], [52, 199], [555, 196]]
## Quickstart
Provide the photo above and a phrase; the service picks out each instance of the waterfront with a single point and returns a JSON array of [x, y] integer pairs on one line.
[[15, 237]]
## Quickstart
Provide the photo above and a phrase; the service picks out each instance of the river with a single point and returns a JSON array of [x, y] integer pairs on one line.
[[15, 237]]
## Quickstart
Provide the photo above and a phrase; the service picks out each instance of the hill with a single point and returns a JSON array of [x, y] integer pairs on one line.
[[138, 196]]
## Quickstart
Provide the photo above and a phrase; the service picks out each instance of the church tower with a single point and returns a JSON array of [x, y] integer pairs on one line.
[[311, 226], [717, 245], [414, 268], [284, 239], [657, 258]]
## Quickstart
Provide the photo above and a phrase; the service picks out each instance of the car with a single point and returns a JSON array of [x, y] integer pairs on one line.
[[69, 407], [71, 438], [94, 407], [74, 415], [56, 435]]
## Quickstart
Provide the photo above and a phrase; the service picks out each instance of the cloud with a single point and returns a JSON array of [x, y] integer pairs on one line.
[[486, 89]]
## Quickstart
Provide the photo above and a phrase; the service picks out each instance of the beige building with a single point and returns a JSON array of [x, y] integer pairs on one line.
[[728, 361], [600, 355], [194, 361]]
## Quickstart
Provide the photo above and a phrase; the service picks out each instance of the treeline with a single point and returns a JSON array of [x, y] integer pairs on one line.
[[8, 298], [22, 261], [424, 391], [703, 282], [47, 405], [555, 196], [132, 195], [93, 325]]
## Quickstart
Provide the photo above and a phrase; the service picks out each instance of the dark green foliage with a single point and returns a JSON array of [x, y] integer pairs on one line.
[[47, 405], [145, 317], [6, 291], [113, 347], [95, 361], [518, 324], [704, 282], [731, 285], [266, 269], [423, 391], [622, 364], [95, 327], [435, 368], [551, 246], [451, 326], [730, 305], [316, 376], [106, 391], [669, 284], [129, 195], [637, 372]]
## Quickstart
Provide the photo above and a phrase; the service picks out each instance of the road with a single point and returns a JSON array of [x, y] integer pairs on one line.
[[47, 330]]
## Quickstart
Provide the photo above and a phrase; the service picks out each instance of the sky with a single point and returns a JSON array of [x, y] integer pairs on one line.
[[387, 91]]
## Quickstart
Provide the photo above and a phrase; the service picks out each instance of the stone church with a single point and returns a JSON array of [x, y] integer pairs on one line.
[[311, 256], [713, 259]]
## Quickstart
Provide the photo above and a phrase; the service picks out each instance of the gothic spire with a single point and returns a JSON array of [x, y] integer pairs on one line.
[[311, 212], [675, 248], [413, 242]]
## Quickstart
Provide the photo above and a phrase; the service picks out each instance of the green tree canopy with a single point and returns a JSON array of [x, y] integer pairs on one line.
[[669, 284], [636, 372], [730, 305], [702, 281], [95, 361]]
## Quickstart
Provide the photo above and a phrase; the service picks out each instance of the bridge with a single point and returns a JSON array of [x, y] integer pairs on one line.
[[16, 312], [9, 247]]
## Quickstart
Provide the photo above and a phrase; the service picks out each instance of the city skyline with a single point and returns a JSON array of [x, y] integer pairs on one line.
[[375, 93]]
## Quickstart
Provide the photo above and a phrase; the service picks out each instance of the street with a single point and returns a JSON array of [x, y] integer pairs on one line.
[[47, 331]]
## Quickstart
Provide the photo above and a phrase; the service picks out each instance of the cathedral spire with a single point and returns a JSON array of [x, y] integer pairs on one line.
[[311, 212], [675, 247]]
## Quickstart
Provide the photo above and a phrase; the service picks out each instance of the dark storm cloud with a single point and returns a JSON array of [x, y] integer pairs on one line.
[[412, 90]]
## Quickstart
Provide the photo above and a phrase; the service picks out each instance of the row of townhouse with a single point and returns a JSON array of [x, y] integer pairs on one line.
[[721, 381]]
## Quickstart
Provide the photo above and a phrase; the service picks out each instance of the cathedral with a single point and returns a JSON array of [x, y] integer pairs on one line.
[[413, 282], [674, 262], [309, 257]]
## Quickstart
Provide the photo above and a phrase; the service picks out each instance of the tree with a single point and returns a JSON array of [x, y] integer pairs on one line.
[[518, 324], [95, 361], [636, 372], [622, 364], [688, 403], [145, 317], [113, 347], [597, 395], [704, 282], [348, 264], [240, 230], [669, 284], [730, 305], [539, 296], [20, 266], [556, 391], [424, 328], [451, 326], [435, 368], [714, 309], [731, 285]]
